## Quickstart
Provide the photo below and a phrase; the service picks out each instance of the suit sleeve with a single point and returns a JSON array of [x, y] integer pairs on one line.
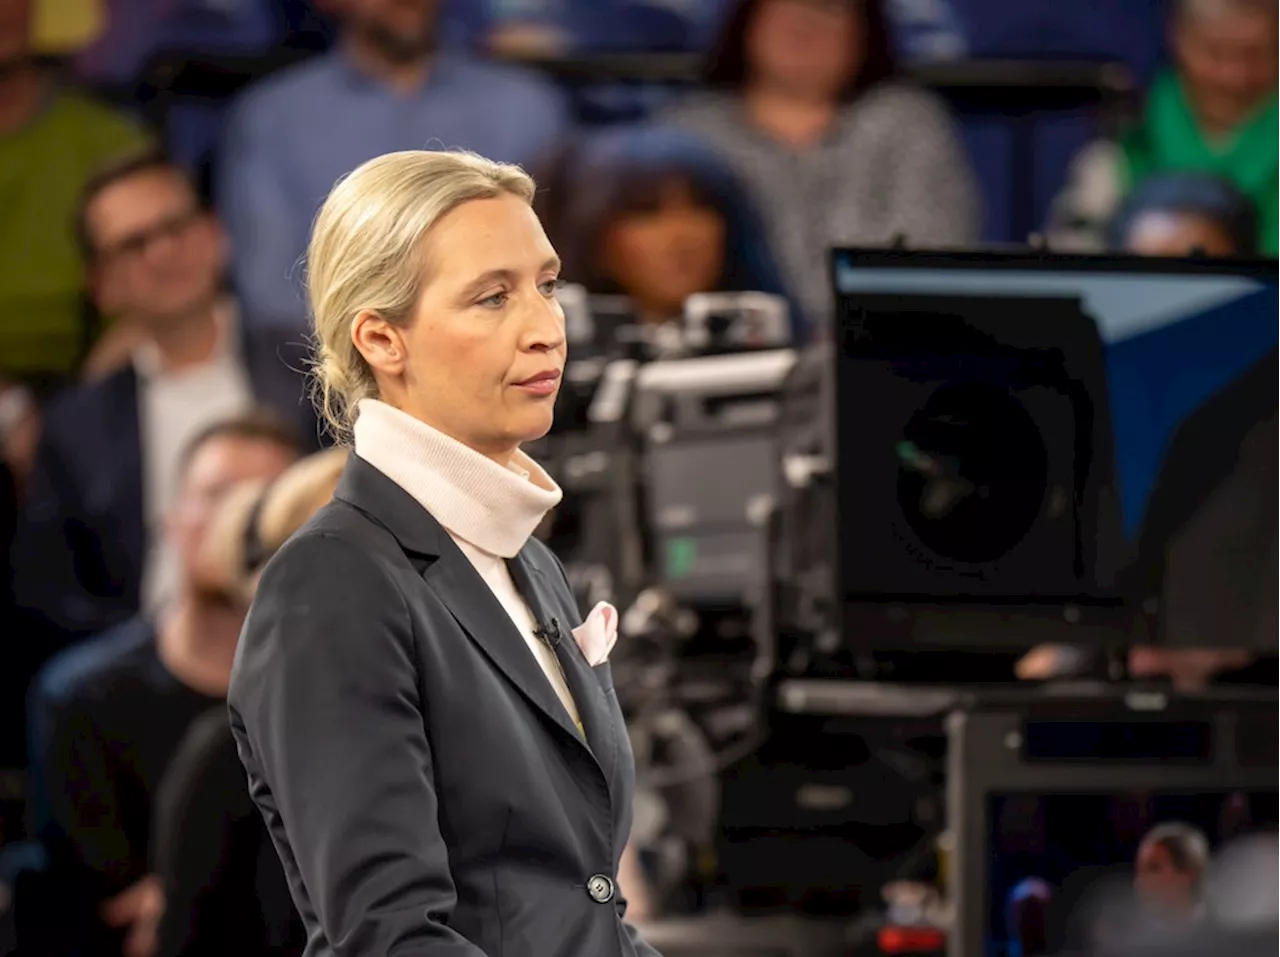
[[325, 707]]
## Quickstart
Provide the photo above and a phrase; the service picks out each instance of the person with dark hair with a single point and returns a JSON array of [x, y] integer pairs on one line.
[[105, 716], [655, 215], [1213, 111], [1184, 214], [806, 106], [90, 550]]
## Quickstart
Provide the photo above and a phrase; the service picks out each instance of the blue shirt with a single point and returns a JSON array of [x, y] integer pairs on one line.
[[290, 138]]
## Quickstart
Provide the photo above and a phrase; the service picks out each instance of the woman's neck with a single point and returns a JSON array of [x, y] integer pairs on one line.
[[798, 122], [189, 340], [197, 643]]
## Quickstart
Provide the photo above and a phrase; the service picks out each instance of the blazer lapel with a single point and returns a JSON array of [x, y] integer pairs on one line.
[[459, 586], [593, 710]]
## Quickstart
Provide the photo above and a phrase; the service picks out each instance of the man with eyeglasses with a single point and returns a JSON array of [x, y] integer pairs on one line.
[[90, 551]]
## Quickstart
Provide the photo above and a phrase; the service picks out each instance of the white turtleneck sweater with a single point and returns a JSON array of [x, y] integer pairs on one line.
[[488, 510]]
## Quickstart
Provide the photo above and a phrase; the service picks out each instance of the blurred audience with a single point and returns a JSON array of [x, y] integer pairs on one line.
[[51, 141], [541, 28], [1214, 112], [90, 549], [386, 87], [106, 716], [224, 888], [1185, 214], [653, 214], [806, 106], [1168, 872], [1026, 917]]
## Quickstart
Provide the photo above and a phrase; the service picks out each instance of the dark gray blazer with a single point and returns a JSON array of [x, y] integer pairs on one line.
[[425, 788]]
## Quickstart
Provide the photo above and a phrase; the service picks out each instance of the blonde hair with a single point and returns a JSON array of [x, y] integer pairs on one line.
[[275, 509], [366, 256]]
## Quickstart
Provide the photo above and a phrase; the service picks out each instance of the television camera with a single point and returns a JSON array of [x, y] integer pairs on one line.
[[665, 447]]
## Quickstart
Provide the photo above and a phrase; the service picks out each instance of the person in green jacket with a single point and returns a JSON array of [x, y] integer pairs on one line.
[[1214, 113], [51, 141]]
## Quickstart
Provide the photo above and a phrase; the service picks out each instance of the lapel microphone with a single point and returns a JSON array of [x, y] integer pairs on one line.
[[548, 633]]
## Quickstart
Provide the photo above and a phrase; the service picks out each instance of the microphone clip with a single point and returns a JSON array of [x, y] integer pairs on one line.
[[548, 633]]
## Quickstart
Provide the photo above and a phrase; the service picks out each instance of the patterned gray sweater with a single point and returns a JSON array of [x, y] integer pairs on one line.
[[891, 166]]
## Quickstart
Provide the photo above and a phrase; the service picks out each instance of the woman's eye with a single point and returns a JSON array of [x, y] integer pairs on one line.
[[549, 287], [496, 301]]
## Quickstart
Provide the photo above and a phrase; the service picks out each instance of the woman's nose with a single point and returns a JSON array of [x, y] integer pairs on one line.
[[544, 326]]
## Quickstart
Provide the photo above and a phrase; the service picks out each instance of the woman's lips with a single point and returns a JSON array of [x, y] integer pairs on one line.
[[544, 383]]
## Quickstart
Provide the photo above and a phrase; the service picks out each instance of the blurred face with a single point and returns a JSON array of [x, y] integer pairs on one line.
[[1178, 234], [663, 255], [1228, 61], [15, 31], [401, 31], [808, 48], [157, 256], [482, 358], [216, 467], [1160, 885]]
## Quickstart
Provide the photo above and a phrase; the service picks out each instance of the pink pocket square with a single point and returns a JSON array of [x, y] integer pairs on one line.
[[597, 635]]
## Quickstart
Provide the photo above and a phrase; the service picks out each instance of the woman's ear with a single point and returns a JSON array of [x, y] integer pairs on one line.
[[380, 343]]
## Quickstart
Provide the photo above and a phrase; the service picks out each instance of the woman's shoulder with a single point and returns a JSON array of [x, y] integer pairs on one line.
[[701, 111], [900, 105], [338, 534], [332, 597], [341, 556]]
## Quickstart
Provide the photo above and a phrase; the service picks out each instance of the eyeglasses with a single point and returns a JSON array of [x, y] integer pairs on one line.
[[135, 245]]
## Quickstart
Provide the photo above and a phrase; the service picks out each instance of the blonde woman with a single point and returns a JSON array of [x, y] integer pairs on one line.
[[428, 729], [224, 891]]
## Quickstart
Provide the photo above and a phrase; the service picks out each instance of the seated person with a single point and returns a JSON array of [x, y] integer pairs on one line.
[[1213, 112], [835, 149], [385, 86], [89, 551], [106, 716], [1186, 214], [224, 889], [43, 331], [652, 214], [1169, 871], [1026, 919]]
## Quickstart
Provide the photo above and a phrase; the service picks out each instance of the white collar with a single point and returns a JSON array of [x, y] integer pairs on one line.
[[493, 507]]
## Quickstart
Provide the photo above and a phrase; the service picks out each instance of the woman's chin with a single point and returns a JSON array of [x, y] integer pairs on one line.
[[534, 426]]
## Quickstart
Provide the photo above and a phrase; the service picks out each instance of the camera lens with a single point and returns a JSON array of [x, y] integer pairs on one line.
[[972, 473]]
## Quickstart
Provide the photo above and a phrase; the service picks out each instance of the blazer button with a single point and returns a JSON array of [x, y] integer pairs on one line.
[[600, 887]]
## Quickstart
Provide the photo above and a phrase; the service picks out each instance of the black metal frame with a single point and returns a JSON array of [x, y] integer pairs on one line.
[[984, 759]]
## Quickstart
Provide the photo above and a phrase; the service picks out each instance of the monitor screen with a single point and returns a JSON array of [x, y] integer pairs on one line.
[[1009, 426], [1071, 873]]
